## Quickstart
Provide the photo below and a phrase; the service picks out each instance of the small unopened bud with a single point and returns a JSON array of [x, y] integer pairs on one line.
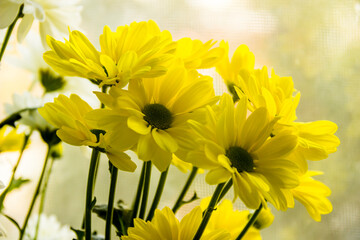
[[56, 151], [264, 219]]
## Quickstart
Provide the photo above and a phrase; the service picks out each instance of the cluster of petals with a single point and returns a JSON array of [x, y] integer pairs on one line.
[[54, 16], [315, 140], [156, 112], [139, 50], [67, 114], [235, 146], [165, 225]]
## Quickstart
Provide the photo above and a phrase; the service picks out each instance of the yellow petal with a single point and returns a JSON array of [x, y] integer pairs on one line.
[[164, 140], [138, 125], [217, 175]]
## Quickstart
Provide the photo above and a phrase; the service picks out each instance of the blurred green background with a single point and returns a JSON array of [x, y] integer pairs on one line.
[[315, 42]]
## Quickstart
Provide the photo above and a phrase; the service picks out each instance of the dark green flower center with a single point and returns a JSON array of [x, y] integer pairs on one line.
[[157, 115], [240, 159], [50, 81]]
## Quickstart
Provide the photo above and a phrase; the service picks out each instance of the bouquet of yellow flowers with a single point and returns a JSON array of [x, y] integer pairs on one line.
[[154, 102]]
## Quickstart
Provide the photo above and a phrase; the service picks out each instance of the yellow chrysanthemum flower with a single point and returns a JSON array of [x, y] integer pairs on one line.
[[164, 225], [313, 195], [278, 96], [140, 50], [157, 111], [10, 140], [230, 220], [198, 55], [67, 114], [237, 147]]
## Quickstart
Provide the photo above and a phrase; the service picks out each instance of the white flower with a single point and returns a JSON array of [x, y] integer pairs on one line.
[[54, 16], [30, 118], [49, 229], [2, 185]]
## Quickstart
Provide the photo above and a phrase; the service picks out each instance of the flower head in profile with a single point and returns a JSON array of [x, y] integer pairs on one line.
[[240, 147], [10, 140], [54, 16], [242, 63], [198, 55], [165, 225], [157, 111], [139, 50], [312, 194], [67, 115]]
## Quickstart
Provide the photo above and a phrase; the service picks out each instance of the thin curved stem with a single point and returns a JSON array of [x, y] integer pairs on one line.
[[89, 191], [250, 223], [9, 31], [186, 187], [138, 194], [158, 194], [209, 210], [146, 190], [4, 193], [42, 199], [36, 194], [110, 210], [225, 189]]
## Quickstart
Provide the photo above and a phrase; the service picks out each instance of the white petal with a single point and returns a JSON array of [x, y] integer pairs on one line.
[[24, 27]]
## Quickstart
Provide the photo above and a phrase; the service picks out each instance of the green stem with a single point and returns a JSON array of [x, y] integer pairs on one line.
[[138, 194], [186, 187], [110, 210], [146, 190], [42, 199], [250, 223], [225, 189], [89, 192], [158, 194], [4, 193], [36, 194], [209, 210], [9, 31]]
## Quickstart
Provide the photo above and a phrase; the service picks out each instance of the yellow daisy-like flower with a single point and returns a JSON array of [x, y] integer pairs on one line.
[[67, 114], [278, 96], [230, 220], [164, 225], [157, 111], [10, 140], [240, 148], [140, 50], [198, 55], [313, 195]]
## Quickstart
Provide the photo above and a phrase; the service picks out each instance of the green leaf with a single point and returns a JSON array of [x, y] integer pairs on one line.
[[121, 216], [80, 234], [193, 198], [17, 183]]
